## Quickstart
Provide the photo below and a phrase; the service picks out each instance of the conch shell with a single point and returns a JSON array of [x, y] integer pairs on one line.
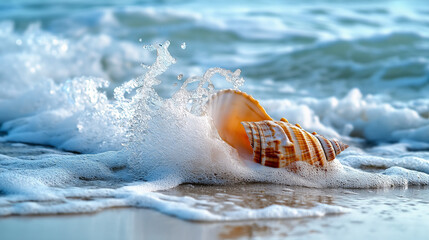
[[244, 124]]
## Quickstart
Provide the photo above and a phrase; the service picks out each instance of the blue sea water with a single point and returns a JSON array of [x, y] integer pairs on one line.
[[81, 78]]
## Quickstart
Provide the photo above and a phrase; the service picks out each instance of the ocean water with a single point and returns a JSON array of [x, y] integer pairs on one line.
[[102, 105]]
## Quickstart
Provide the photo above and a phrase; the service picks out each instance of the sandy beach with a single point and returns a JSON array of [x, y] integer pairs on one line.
[[374, 214]]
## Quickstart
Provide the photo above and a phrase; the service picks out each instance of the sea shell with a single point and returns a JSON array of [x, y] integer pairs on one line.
[[244, 124]]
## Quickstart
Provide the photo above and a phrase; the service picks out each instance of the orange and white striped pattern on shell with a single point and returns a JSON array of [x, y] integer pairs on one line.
[[244, 124], [279, 144]]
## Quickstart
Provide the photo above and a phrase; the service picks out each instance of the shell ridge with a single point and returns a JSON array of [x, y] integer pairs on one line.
[[270, 153], [316, 149], [311, 150], [257, 151], [280, 147], [249, 132], [323, 149], [283, 126], [261, 144], [290, 149], [336, 146], [304, 145], [295, 143], [253, 134]]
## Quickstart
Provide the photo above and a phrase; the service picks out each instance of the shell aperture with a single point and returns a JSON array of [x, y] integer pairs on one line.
[[244, 124], [228, 108]]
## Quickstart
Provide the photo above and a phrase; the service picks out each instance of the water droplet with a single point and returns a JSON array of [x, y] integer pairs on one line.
[[183, 46], [64, 47], [211, 86], [18, 42], [145, 66], [180, 77], [140, 40]]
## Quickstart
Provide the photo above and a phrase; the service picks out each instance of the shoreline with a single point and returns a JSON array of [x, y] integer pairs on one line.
[[382, 214]]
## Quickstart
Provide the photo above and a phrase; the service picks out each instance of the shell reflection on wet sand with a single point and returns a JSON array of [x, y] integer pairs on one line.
[[244, 124]]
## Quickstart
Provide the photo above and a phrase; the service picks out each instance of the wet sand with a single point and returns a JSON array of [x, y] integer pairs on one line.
[[374, 214]]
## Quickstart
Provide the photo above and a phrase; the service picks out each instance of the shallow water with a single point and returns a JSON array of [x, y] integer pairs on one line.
[[90, 120], [388, 213]]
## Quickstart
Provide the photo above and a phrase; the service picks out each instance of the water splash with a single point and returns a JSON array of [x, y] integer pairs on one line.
[[157, 129], [139, 109]]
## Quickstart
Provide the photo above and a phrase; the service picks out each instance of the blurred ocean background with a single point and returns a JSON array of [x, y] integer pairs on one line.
[[84, 127]]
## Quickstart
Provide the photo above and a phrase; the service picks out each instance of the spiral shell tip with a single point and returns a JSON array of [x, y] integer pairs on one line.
[[343, 146]]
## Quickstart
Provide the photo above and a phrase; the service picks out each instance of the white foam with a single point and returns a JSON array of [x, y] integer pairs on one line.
[[413, 177], [281, 212], [55, 184], [416, 163], [355, 115], [186, 208], [72, 116]]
